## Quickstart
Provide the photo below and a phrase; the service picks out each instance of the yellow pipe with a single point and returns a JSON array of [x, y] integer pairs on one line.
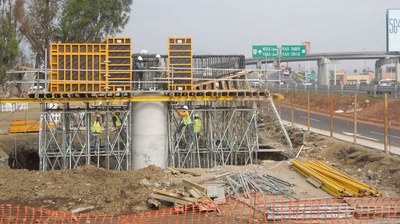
[[333, 169], [333, 187], [353, 185], [323, 187], [367, 188], [348, 184]]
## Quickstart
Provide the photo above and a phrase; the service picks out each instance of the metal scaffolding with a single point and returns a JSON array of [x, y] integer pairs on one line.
[[66, 142], [228, 137]]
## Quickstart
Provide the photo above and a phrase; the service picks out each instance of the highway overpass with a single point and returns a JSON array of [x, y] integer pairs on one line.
[[324, 59]]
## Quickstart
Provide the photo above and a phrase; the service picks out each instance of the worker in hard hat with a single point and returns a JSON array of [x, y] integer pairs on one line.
[[186, 121], [117, 123], [161, 73], [96, 132], [139, 66], [197, 126]]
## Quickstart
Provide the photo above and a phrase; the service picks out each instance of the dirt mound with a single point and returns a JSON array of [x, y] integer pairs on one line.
[[110, 192]]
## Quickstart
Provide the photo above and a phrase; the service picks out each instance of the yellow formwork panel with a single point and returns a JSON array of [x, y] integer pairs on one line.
[[180, 73], [77, 67], [119, 66], [91, 67]]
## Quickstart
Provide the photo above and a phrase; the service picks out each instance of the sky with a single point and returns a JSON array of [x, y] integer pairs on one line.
[[232, 26]]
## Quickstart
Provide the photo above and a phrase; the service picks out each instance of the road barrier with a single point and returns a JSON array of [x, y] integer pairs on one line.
[[257, 209]]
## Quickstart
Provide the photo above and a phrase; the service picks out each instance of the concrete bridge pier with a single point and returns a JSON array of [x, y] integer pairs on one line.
[[398, 70], [149, 138], [323, 71], [378, 70], [259, 65]]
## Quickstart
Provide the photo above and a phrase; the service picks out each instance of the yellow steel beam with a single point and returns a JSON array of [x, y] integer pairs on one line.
[[364, 188], [128, 99], [328, 185], [350, 186]]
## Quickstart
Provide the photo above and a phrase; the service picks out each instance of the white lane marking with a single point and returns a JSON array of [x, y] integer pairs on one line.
[[378, 133], [310, 118], [360, 136]]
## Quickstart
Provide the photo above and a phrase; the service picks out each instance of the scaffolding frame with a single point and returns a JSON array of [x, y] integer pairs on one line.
[[229, 136], [69, 144]]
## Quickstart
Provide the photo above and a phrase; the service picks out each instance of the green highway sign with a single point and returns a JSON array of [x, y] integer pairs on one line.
[[265, 51], [312, 76], [293, 51]]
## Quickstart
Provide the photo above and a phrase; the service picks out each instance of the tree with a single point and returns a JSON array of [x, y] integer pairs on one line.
[[82, 21], [44, 21], [9, 49], [38, 24]]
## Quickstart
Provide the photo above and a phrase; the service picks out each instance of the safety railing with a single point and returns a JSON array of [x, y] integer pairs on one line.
[[151, 79], [257, 209]]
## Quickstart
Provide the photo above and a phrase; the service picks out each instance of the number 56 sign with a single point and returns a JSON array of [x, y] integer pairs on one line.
[[393, 30]]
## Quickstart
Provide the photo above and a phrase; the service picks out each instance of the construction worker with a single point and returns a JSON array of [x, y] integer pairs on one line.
[[197, 126], [139, 66], [117, 123], [162, 73], [186, 121], [96, 132], [103, 117]]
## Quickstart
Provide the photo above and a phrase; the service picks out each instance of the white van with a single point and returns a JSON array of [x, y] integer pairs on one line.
[[386, 82]]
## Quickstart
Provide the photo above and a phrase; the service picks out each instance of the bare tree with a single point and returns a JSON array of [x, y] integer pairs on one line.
[[38, 22]]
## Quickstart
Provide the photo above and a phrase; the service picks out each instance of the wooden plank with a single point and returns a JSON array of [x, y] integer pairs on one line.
[[194, 173], [194, 193], [189, 185], [315, 182], [174, 195], [173, 170], [169, 199]]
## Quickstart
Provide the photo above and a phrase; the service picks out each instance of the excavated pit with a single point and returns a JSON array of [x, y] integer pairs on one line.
[[24, 157]]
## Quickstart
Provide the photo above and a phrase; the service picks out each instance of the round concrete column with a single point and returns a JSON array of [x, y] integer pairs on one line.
[[149, 134]]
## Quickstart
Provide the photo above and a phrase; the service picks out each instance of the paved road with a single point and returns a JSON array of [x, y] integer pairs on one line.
[[366, 130]]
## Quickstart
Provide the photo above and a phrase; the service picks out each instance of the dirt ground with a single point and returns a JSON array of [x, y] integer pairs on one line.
[[126, 192]]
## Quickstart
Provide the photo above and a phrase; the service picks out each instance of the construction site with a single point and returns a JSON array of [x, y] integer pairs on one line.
[[110, 136]]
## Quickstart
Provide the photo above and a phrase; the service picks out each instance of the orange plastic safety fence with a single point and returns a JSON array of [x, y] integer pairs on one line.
[[257, 209]]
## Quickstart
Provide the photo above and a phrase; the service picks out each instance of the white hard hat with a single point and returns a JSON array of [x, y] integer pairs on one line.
[[158, 56], [140, 58], [196, 115], [185, 107]]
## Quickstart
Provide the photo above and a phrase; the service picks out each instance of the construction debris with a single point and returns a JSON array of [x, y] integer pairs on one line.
[[308, 210], [85, 209], [333, 181], [380, 207], [194, 196], [252, 183], [180, 170]]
